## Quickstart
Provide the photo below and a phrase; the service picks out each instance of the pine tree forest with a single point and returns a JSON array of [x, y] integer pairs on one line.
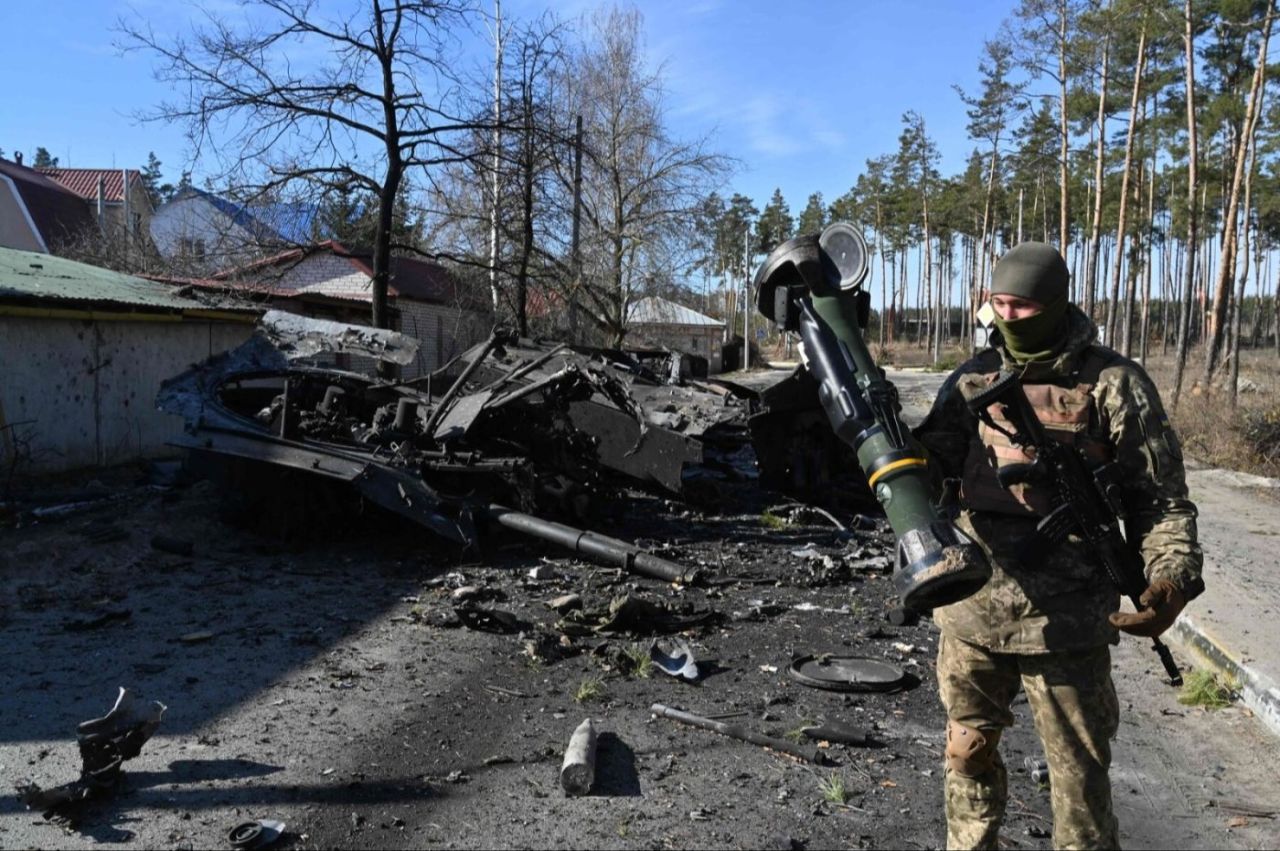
[[1135, 135]]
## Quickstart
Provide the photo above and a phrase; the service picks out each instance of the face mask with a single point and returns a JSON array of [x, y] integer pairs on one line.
[[1037, 337]]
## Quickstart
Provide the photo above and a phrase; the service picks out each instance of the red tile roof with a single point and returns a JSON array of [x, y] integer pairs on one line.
[[84, 181]]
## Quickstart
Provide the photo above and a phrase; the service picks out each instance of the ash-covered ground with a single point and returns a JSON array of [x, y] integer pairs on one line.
[[337, 682]]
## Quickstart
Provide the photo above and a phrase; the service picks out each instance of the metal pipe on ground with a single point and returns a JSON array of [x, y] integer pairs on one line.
[[737, 731], [601, 547]]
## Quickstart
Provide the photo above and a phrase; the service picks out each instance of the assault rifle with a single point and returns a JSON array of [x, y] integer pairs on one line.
[[1085, 501]]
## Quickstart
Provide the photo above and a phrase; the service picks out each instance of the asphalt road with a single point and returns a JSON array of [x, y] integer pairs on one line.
[[315, 683]]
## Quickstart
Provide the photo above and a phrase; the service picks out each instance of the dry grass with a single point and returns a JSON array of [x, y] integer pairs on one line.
[[1246, 437], [1203, 688]]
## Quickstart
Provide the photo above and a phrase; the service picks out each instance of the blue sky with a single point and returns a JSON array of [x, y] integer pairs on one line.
[[801, 94]]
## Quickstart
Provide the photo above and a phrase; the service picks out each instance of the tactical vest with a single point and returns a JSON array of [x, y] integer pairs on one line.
[[1068, 415]]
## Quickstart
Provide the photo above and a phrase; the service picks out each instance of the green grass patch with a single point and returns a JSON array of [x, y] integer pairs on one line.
[[1203, 688], [833, 789], [772, 521], [797, 735], [592, 688], [639, 663]]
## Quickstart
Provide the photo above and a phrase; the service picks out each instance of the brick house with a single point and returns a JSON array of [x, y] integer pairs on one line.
[[116, 197], [330, 281]]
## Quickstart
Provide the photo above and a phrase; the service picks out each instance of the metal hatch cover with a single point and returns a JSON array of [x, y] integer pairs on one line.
[[846, 673]]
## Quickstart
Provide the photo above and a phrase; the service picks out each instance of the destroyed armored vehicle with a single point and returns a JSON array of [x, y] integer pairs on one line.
[[512, 431]]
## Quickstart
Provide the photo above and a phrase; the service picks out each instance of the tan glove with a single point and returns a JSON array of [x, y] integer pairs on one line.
[[1162, 602]]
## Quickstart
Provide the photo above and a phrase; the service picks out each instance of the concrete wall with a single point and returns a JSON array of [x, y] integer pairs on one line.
[[81, 393], [701, 340]]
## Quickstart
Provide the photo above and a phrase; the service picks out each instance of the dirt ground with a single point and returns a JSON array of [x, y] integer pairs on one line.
[[329, 683]]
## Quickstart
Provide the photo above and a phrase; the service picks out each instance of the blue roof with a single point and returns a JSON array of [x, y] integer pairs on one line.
[[288, 222]]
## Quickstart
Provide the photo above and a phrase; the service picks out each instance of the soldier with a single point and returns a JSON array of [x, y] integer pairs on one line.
[[1046, 625]]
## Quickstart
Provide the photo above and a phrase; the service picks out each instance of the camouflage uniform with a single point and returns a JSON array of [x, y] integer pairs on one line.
[[1044, 625]]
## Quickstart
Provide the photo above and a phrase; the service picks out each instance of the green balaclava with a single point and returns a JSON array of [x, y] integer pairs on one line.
[[1036, 271]]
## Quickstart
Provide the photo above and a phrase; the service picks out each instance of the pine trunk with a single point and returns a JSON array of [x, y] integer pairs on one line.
[[1184, 321], [1095, 231], [1113, 318], [1226, 268]]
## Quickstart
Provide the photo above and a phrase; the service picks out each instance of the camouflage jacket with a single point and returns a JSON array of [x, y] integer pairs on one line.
[[1061, 602]]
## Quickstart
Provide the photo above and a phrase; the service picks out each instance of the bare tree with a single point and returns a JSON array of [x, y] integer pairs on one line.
[[370, 97], [641, 188]]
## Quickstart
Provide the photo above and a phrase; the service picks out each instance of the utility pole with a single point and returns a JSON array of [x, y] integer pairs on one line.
[[746, 297], [497, 157], [576, 256], [1020, 191]]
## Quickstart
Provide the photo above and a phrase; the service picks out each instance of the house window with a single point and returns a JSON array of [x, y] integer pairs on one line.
[[193, 248], [693, 344]]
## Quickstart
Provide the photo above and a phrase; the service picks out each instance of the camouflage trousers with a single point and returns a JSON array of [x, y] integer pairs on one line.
[[1073, 702]]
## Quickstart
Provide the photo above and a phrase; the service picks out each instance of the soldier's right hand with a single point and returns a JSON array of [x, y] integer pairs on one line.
[[1163, 603]]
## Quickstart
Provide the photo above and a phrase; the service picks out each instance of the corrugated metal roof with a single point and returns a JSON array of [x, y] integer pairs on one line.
[[29, 276], [84, 181], [658, 311]]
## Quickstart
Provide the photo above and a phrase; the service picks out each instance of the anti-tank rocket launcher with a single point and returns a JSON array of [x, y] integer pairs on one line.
[[812, 285]]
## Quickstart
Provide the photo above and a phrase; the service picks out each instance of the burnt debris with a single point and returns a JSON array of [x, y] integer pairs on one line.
[[513, 432]]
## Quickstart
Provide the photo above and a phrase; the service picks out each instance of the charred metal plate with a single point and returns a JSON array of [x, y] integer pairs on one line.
[[459, 418], [654, 455], [846, 673]]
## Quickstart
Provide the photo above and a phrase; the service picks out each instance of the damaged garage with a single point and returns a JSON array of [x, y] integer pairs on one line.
[[84, 349]]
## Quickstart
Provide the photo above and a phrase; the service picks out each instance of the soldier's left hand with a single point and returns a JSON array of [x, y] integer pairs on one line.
[[1162, 602]]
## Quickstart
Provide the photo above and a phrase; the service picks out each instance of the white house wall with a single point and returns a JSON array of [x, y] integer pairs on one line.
[[682, 338], [323, 273], [226, 243], [81, 393]]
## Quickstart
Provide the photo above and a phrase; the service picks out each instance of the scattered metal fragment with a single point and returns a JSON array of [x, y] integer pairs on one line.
[[578, 771], [565, 603], [846, 673], [835, 731], [1037, 768], [490, 620], [631, 613], [196, 637], [105, 744], [682, 664], [735, 731], [259, 833]]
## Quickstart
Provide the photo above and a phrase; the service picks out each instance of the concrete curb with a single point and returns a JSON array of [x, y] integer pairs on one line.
[[1258, 690]]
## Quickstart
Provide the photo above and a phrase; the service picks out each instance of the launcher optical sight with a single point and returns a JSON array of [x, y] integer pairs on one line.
[[813, 285]]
